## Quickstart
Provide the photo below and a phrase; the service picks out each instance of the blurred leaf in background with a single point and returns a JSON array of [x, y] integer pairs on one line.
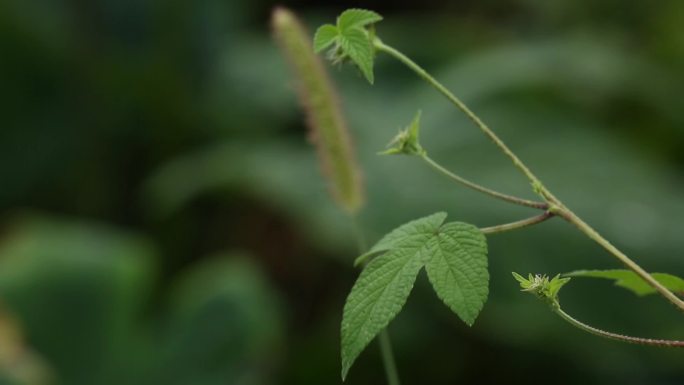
[[181, 231], [79, 290], [225, 326]]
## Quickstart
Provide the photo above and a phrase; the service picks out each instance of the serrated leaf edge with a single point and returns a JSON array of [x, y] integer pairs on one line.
[[348, 362], [320, 46], [464, 314], [374, 18]]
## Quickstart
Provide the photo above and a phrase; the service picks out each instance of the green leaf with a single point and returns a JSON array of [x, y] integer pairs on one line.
[[524, 282], [325, 36], [356, 18], [455, 255], [631, 281], [381, 291], [458, 269], [402, 232], [357, 45], [555, 285], [353, 41]]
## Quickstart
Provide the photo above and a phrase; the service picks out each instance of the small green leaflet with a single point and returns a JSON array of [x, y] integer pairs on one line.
[[629, 280], [455, 257], [325, 36], [350, 39], [458, 269], [355, 43], [356, 18]]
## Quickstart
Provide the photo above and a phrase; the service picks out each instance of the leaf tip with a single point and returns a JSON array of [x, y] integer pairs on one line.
[[346, 366], [519, 277], [469, 321], [367, 70]]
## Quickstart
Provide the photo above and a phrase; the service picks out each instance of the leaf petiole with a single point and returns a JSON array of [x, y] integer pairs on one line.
[[517, 224], [618, 337], [495, 194]]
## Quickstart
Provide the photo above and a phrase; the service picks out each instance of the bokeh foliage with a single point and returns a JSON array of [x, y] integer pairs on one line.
[[164, 220]]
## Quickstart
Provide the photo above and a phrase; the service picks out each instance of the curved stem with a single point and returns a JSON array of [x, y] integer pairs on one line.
[[615, 336], [517, 224], [391, 372], [484, 190], [380, 46], [555, 205]]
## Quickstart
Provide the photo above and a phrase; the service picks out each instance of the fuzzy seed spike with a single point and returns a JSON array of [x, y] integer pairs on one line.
[[327, 127]]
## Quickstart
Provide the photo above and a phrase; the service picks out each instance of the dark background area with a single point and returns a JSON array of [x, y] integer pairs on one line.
[[163, 219]]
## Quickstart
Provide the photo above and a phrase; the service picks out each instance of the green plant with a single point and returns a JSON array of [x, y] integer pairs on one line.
[[547, 290], [328, 128], [453, 254]]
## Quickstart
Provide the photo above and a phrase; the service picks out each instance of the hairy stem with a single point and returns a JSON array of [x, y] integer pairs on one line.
[[391, 372], [571, 217], [615, 336], [382, 47], [484, 190], [556, 206], [517, 224]]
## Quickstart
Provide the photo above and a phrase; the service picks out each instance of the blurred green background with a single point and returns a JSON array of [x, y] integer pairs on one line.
[[163, 219]]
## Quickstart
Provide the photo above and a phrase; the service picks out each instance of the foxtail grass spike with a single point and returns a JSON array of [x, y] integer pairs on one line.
[[328, 130]]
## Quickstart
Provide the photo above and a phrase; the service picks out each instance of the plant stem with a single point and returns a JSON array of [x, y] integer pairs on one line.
[[391, 372], [517, 224], [388, 358], [484, 190], [380, 46], [555, 205], [615, 336], [571, 217]]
